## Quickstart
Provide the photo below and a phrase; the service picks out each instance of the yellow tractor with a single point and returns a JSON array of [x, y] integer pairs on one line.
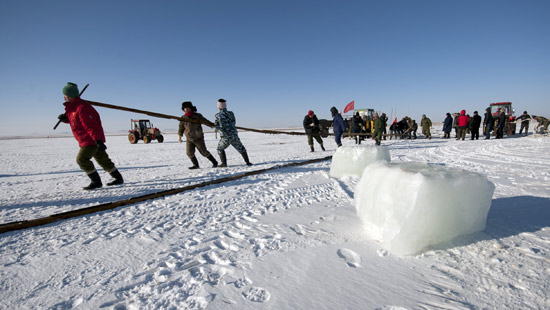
[[142, 129]]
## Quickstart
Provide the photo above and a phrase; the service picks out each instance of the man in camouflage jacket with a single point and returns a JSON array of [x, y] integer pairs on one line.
[[225, 124]]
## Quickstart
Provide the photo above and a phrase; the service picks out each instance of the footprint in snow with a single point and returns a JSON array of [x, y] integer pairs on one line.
[[257, 294], [298, 229], [234, 235], [382, 253], [352, 259]]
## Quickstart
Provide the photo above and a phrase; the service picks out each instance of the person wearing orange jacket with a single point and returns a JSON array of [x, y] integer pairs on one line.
[[88, 131]]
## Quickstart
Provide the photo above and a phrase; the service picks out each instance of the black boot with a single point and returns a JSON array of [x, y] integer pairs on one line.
[[118, 178], [195, 163], [311, 148], [96, 181], [245, 157], [223, 159], [213, 161], [322, 147]]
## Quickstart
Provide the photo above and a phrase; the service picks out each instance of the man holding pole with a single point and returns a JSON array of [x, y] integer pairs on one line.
[[225, 123], [88, 131]]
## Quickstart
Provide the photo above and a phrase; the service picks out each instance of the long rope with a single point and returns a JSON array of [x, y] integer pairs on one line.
[[115, 204], [209, 124]]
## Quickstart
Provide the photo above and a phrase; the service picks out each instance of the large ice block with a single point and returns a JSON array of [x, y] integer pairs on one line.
[[409, 206], [352, 160]]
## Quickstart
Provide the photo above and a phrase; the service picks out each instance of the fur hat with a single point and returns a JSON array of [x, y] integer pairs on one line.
[[71, 90], [222, 104], [186, 104]]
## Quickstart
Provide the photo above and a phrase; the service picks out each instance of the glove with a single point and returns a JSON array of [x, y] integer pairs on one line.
[[179, 139], [312, 124], [101, 145], [63, 117]]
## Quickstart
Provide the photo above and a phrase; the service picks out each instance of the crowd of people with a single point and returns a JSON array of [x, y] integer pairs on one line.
[[361, 127], [87, 129]]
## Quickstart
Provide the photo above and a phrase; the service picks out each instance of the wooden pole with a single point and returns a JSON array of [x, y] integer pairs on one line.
[[185, 119]]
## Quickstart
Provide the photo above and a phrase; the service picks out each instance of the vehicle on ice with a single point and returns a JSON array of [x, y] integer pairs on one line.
[[142, 129], [510, 126]]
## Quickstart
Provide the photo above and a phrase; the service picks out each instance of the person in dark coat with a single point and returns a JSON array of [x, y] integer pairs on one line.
[[447, 126], [384, 120], [377, 129], [313, 130], [338, 126], [357, 124], [414, 128], [524, 121], [501, 124], [488, 123], [88, 131], [475, 123], [194, 134]]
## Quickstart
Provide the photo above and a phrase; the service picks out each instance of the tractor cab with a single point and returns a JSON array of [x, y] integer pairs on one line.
[[507, 106], [141, 126]]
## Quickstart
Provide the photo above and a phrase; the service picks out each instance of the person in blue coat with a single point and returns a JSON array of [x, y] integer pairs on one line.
[[447, 126], [338, 125]]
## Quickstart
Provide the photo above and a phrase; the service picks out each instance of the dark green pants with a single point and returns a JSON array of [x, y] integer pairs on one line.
[[377, 135], [86, 153]]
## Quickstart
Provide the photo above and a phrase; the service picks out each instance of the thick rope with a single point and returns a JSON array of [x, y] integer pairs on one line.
[[115, 204]]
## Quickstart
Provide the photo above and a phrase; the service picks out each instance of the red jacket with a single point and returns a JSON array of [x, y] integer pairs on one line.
[[85, 122], [463, 119]]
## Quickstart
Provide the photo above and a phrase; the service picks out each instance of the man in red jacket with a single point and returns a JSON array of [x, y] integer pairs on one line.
[[462, 122], [88, 131]]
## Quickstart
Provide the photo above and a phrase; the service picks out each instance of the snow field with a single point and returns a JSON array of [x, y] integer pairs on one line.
[[287, 239]]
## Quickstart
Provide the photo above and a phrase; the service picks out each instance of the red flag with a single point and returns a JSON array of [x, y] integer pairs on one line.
[[395, 121], [350, 106]]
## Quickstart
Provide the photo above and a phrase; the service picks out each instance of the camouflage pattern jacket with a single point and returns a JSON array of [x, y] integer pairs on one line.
[[225, 123]]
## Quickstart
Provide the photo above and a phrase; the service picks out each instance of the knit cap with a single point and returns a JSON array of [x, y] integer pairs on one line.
[[222, 104], [71, 90]]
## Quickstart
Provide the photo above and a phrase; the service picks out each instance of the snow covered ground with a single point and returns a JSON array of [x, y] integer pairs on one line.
[[285, 239]]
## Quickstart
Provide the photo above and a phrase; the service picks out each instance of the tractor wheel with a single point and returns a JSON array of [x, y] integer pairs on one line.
[[132, 138], [160, 139], [146, 139]]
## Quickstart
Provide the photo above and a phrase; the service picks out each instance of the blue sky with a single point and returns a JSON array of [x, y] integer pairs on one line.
[[271, 60]]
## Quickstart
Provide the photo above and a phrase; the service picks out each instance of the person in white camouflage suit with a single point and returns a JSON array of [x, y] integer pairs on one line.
[[225, 124]]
